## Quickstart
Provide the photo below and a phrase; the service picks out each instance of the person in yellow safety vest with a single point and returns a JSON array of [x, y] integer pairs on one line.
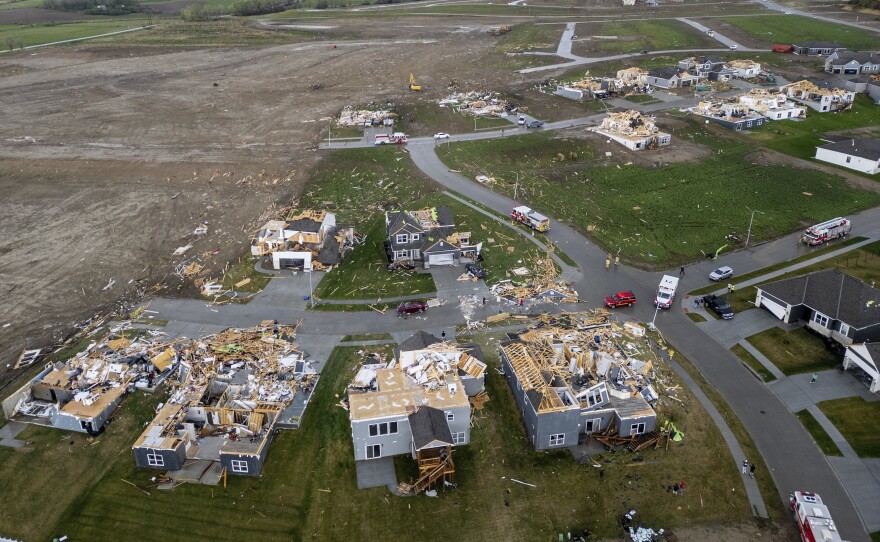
[[607, 262], [616, 261]]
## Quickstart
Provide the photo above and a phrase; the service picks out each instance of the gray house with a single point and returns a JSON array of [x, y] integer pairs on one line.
[[832, 303], [424, 349], [865, 358], [853, 63], [707, 67], [670, 78], [426, 237], [817, 48]]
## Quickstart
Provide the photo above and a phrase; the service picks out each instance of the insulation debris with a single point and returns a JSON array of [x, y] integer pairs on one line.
[[545, 285], [357, 118], [478, 104], [633, 130]]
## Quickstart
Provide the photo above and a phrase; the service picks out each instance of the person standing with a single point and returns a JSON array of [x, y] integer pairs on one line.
[[729, 287], [745, 466], [814, 378], [680, 488], [752, 470], [675, 489], [681, 271]]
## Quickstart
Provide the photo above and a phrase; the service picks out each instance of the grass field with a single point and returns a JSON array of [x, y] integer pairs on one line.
[[862, 263], [44, 33], [698, 318], [818, 433], [651, 35], [795, 352], [527, 37], [219, 33], [367, 337], [658, 216], [858, 420], [790, 29], [286, 504], [642, 99], [800, 138], [244, 269], [753, 362], [21, 4]]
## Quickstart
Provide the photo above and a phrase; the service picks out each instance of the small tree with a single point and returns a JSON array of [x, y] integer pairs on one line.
[[10, 42]]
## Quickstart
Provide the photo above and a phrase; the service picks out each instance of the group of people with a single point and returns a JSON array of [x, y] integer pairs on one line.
[[748, 469]]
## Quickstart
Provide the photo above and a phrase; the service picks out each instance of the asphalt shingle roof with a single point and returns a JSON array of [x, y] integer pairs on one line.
[[863, 148], [833, 293], [429, 424]]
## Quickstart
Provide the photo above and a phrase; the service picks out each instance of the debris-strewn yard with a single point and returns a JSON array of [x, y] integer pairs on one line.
[[308, 488], [659, 207]]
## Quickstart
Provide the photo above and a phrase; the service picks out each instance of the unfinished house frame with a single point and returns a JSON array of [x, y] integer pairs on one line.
[[234, 389], [735, 116], [81, 393], [818, 98], [707, 67], [772, 105], [427, 238], [633, 130], [570, 377], [306, 240]]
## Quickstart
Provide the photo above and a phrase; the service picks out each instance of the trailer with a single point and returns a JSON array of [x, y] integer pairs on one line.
[[826, 231], [666, 291], [813, 518], [530, 218]]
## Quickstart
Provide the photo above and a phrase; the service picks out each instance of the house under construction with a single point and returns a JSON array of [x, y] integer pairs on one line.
[[633, 130], [575, 374]]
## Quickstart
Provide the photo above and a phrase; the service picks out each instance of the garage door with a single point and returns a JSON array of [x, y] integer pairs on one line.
[[441, 259], [774, 307]]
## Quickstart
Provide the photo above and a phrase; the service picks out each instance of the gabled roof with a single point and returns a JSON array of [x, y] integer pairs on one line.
[[833, 293], [435, 243], [400, 221], [862, 57], [419, 340], [429, 425], [820, 45], [304, 225], [667, 73], [863, 148]]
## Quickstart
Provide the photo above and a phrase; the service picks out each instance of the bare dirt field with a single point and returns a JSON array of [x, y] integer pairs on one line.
[[97, 141]]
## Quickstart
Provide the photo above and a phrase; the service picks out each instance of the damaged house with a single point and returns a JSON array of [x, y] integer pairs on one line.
[[233, 389], [307, 240], [633, 130], [81, 393], [735, 116], [707, 67], [671, 78], [821, 97], [570, 377], [417, 404], [772, 105], [427, 237]]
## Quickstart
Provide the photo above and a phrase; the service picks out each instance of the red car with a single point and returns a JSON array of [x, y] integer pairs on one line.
[[408, 307], [620, 299]]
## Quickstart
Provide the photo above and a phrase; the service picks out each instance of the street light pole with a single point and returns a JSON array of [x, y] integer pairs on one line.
[[749, 234], [328, 133], [516, 186], [311, 292], [652, 326]]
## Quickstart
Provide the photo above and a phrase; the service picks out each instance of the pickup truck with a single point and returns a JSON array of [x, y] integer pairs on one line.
[[719, 306], [620, 299]]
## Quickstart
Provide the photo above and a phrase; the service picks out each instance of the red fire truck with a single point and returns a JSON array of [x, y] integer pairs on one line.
[[831, 229], [813, 519]]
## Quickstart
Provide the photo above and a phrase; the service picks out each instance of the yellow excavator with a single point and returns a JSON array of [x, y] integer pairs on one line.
[[412, 84]]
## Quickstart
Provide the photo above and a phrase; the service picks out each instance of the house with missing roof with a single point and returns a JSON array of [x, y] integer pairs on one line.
[[865, 357], [427, 238], [832, 303], [861, 154], [308, 240]]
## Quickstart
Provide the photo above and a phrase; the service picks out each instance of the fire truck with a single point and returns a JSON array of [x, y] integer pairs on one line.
[[832, 229], [813, 519], [530, 218]]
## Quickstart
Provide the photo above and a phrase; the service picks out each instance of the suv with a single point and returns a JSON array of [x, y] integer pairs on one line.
[[475, 270], [721, 273], [719, 305], [409, 307], [521, 120], [535, 124], [620, 299]]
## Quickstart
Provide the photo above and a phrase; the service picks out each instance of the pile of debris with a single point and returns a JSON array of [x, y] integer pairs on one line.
[[307, 239], [478, 104], [545, 284], [357, 118]]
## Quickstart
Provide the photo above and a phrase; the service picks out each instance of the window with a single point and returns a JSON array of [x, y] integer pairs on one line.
[[458, 438], [416, 237], [821, 319], [844, 329], [401, 238], [636, 429], [384, 428], [593, 425], [450, 417], [237, 465], [415, 254], [594, 398], [557, 439], [374, 451], [155, 460], [401, 254]]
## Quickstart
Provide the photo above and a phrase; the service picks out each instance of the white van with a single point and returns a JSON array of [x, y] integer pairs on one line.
[[666, 292]]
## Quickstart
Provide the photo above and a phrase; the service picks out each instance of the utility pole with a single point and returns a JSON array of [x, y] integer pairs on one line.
[[749, 234], [329, 125], [516, 186]]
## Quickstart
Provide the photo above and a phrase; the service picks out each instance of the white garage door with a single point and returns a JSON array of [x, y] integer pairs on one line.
[[441, 259], [774, 307]]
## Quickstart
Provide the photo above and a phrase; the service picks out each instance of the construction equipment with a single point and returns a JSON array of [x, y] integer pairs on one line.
[[498, 30], [413, 85], [530, 218], [813, 518], [826, 231]]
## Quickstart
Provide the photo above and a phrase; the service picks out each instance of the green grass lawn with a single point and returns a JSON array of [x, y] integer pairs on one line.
[[530, 37], [44, 33], [244, 269], [658, 216], [218, 33], [642, 99], [862, 263], [789, 29], [753, 362], [367, 337], [77, 461], [653, 35], [818, 433], [800, 138], [21, 4], [696, 317], [794, 352], [858, 420], [286, 504]]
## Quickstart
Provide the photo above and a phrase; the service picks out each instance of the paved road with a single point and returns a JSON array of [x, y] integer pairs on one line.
[[776, 7], [724, 40]]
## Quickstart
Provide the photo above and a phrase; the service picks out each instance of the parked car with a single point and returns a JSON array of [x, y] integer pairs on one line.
[[409, 307], [535, 124], [441, 135], [719, 306], [721, 273], [620, 299], [475, 270], [522, 120], [733, 47]]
